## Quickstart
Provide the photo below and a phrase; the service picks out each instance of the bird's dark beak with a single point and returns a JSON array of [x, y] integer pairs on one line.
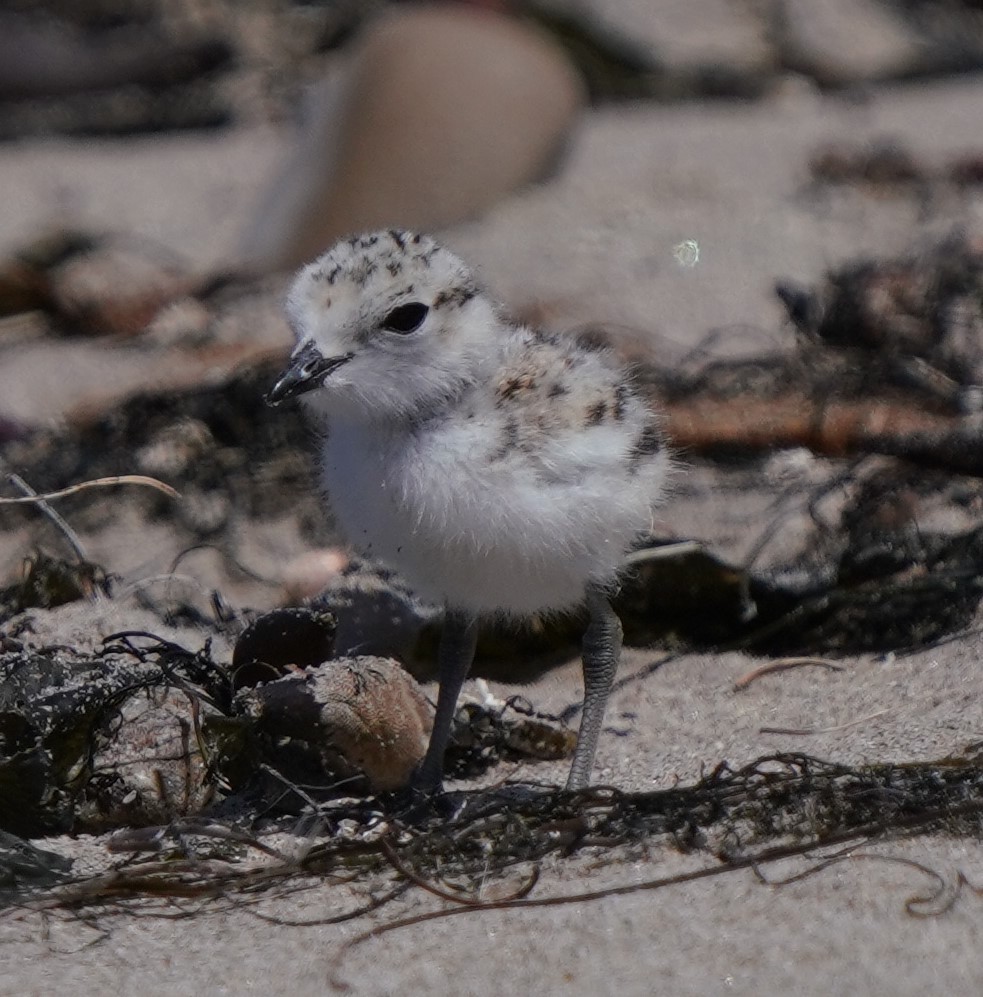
[[307, 371]]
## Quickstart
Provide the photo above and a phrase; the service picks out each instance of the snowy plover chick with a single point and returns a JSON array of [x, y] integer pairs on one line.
[[499, 469]]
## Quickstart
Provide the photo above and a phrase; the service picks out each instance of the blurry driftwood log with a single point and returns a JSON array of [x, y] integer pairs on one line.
[[831, 427]]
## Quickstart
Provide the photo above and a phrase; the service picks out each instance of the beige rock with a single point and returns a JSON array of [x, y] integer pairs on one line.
[[377, 718], [367, 714], [444, 110]]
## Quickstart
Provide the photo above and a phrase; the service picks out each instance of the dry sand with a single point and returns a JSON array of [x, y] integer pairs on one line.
[[596, 243]]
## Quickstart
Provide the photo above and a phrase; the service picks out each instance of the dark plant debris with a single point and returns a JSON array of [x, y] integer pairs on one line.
[[225, 451], [147, 731], [778, 807], [48, 581], [65, 735], [916, 321], [67, 721]]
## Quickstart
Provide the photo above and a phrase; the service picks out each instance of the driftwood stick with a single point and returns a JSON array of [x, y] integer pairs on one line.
[[832, 428]]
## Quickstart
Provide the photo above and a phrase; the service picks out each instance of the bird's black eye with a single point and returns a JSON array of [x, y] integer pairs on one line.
[[406, 318]]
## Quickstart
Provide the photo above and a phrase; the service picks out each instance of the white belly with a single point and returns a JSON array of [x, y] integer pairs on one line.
[[479, 536]]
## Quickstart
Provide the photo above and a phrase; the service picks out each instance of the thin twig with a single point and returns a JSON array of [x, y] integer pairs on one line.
[[291, 786], [455, 898], [664, 551], [807, 731], [349, 915], [117, 479], [149, 839], [782, 665], [59, 523]]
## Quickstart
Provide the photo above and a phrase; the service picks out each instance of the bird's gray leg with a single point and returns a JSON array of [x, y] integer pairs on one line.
[[602, 649], [457, 644]]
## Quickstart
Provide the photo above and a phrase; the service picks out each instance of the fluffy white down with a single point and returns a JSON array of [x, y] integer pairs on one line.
[[497, 469], [482, 539]]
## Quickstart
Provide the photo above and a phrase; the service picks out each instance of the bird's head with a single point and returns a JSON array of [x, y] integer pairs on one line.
[[388, 325]]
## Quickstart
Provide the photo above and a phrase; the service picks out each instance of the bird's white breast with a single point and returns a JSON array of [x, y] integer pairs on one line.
[[488, 531]]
